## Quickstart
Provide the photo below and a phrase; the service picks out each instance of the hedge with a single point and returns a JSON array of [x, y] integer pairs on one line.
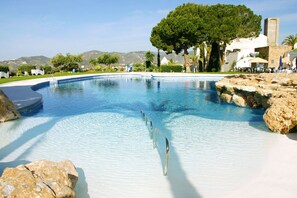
[[171, 68]]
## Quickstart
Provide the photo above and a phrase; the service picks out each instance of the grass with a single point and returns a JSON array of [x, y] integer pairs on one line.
[[18, 78]]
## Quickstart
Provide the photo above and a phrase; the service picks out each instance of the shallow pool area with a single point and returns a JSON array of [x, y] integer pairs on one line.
[[215, 148]]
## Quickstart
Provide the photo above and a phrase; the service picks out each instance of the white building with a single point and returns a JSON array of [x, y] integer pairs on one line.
[[37, 72], [241, 48], [4, 75], [164, 61], [243, 63]]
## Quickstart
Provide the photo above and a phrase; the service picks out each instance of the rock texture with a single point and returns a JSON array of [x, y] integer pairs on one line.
[[277, 93], [7, 109], [39, 179]]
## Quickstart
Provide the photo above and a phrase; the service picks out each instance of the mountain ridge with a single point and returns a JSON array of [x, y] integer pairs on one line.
[[124, 58]]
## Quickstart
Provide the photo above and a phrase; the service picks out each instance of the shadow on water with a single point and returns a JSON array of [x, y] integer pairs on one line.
[[257, 121], [180, 184], [81, 188], [35, 132], [25, 137]]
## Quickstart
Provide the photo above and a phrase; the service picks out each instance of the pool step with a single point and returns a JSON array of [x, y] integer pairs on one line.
[[155, 133]]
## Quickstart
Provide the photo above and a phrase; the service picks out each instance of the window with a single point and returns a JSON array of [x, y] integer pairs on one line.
[[272, 61]]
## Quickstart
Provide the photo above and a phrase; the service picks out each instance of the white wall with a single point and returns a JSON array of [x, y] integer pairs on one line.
[[164, 61], [248, 45]]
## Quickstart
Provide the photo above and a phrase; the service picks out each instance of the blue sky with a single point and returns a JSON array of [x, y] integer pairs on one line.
[[48, 27]]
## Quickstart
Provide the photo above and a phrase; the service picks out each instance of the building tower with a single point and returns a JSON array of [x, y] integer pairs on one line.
[[271, 30]]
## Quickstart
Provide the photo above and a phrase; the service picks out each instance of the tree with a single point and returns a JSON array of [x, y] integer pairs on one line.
[[108, 59], [192, 24], [68, 62], [194, 58], [58, 60], [290, 40], [204, 53], [182, 29], [47, 69], [25, 68], [158, 58], [149, 57], [93, 62], [225, 23]]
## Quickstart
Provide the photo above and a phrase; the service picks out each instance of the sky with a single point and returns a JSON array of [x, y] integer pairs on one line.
[[48, 27]]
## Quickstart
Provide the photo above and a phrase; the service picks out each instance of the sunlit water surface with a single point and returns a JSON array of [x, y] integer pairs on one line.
[[215, 148]]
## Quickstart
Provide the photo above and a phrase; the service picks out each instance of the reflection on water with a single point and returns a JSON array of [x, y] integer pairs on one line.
[[188, 97], [68, 89], [148, 84], [105, 83]]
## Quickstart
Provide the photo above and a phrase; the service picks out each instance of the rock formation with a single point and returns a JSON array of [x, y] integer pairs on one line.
[[277, 93], [7, 109], [39, 179]]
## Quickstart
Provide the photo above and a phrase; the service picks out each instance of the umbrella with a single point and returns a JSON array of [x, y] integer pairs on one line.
[[258, 60], [280, 63]]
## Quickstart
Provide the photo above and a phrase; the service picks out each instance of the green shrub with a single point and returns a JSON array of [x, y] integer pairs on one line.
[[56, 70], [98, 68], [121, 69], [47, 69], [137, 67], [4, 68], [107, 69], [171, 68], [27, 68]]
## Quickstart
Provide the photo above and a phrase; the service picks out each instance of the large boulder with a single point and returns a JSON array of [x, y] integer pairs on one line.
[[239, 100], [276, 93], [40, 179], [7, 109], [281, 115]]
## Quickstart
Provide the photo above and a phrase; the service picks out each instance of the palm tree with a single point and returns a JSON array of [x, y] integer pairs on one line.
[[290, 40], [194, 58], [149, 57]]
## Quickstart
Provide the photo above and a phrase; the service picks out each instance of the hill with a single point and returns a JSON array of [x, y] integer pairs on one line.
[[125, 58]]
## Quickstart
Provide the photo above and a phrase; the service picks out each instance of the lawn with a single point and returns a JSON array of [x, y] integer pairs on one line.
[[18, 78]]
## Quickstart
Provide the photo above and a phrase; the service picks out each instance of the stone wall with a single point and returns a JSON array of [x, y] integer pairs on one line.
[[277, 93], [273, 53]]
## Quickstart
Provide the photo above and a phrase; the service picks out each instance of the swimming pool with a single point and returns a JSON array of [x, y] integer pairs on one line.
[[215, 147]]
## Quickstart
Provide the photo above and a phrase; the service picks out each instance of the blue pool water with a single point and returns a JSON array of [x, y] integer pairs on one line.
[[215, 148]]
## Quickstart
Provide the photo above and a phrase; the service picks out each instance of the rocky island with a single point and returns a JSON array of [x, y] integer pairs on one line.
[[275, 92]]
